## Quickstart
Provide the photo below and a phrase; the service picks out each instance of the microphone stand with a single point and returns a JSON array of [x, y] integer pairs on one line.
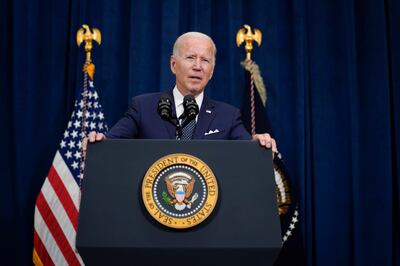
[[178, 131]]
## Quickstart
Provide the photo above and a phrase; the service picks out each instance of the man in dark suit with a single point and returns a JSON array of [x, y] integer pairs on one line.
[[192, 62]]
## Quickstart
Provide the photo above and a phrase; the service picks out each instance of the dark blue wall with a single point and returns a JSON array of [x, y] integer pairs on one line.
[[331, 68]]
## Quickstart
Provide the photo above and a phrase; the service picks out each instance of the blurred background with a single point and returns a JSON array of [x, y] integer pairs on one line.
[[331, 70]]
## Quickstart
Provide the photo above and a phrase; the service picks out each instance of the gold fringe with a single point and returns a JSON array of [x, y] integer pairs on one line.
[[36, 259], [254, 70]]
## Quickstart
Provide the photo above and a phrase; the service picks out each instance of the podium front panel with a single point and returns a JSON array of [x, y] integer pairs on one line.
[[115, 227]]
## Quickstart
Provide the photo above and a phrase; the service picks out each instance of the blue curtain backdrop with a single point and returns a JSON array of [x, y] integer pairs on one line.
[[331, 68]]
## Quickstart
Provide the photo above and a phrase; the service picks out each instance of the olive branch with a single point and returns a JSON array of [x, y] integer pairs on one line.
[[166, 199]]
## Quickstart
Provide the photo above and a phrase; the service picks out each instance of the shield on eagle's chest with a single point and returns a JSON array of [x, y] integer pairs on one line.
[[180, 194]]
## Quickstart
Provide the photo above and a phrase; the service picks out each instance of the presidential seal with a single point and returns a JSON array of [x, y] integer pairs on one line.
[[179, 191]]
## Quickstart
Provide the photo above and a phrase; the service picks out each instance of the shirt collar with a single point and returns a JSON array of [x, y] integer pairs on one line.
[[178, 99]]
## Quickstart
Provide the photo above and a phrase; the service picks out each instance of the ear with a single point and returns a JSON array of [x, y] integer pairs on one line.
[[172, 63]]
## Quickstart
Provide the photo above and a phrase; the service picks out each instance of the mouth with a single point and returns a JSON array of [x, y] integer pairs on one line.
[[195, 78]]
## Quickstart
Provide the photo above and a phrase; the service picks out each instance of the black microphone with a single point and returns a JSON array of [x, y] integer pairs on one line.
[[164, 107], [191, 109]]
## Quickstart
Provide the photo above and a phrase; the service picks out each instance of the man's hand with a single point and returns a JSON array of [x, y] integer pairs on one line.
[[93, 137], [265, 140]]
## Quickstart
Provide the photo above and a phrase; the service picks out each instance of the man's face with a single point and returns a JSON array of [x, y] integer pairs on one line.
[[193, 65]]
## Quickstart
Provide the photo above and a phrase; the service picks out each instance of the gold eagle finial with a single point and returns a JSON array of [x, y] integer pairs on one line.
[[245, 34], [84, 34]]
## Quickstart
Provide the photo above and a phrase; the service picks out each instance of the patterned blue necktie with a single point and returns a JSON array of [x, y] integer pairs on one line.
[[188, 130]]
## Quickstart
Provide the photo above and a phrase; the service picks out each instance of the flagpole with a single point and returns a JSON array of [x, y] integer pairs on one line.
[[84, 34]]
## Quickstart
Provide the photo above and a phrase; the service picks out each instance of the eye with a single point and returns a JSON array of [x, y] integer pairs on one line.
[[206, 60]]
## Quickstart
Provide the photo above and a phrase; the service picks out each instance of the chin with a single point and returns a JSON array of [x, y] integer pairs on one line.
[[193, 88], [195, 91]]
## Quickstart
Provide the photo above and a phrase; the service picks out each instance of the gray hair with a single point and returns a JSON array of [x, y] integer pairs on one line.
[[194, 34]]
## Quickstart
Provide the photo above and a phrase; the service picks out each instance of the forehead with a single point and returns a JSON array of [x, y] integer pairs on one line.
[[196, 45]]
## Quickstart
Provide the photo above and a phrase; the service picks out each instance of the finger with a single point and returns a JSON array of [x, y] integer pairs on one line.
[[84, 144], [100, 136], [92, 136], [266, 140], [261, 140], [274, 146], [267, 136], [268, 143]]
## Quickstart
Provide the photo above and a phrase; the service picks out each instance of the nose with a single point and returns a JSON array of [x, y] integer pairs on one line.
[[197, 64]]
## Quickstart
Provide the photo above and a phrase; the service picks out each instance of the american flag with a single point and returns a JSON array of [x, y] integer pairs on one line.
[[57, 205]]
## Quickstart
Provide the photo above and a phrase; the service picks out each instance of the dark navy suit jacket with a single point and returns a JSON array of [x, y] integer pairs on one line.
[[216, 120]]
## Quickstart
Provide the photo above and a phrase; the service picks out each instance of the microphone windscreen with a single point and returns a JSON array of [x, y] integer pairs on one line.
[[164, 107], [190, 106], [188, 97]]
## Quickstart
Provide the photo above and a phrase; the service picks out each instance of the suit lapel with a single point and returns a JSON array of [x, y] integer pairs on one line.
[[206, 116]]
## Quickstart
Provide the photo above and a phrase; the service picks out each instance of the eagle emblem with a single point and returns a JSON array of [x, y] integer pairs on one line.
[[180, 188]]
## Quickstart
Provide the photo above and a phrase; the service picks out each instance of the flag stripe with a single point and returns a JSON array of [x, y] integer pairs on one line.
[[56, 231], [40, 255], [64, 197], [53, 251], [68, 179], [59, 212]]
